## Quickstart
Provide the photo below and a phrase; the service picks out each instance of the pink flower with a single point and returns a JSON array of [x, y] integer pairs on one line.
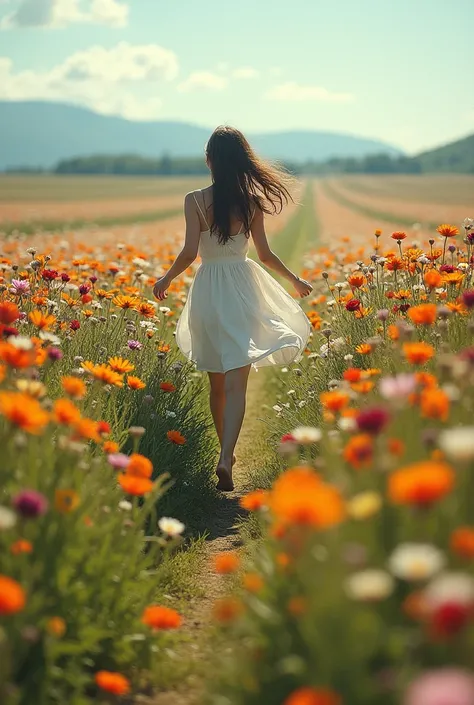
[[447, 686], [398, 387], [119, 461], [20, 287]]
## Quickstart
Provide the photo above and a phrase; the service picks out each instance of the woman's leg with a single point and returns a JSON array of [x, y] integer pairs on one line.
[[235, 389], [216, 401]]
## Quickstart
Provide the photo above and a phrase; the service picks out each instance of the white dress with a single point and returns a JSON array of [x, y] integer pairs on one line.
[[236, 314]]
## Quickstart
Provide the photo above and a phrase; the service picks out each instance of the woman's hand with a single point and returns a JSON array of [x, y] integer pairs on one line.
[[160, 289], [302, 287]]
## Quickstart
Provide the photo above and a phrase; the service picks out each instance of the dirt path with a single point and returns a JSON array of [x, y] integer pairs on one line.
[[223, 536]]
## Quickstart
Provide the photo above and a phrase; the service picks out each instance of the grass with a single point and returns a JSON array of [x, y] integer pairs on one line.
[[449, 189]]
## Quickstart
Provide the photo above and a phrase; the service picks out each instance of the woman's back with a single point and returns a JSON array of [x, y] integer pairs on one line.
[[210, 249]]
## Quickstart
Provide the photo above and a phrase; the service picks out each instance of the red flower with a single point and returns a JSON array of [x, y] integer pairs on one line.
[[372, 420], [49, 274], [353, 305], [447, 268], [287, 438], [450, 618], [468, 298], [103, 427], [74, 325]]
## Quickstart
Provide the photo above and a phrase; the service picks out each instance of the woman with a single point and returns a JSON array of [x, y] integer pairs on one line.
[[236, 315]]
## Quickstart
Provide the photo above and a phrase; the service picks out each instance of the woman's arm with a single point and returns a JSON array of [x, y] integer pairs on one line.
[[270, 259], [189, 252]]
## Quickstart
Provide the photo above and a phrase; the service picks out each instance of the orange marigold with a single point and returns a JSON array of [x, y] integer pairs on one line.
[[334, 401], [418, 353], [252, 582], [421, 483], [176, 437], [254, 500], [359, 451], [139, 466], [74, 386], [434, 404], [134, 485], [462, 541], [65, 412], [87, 429], [423, 315], [125, 302], [112, 682], [399, 236], [16, 357], [119, 364], [313, 696], [226, 562], [21, 546], [12, 596], [41, 320], [161, 618], [447, 230], [432, 279], [105, 374], [135, 382], [23, 411], [9, 312]]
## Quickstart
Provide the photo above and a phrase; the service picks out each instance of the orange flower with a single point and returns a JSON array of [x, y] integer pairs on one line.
[[163, 347], [87, 429], [421, 483], [300, 497], [453, 278], [402, 294], [139, 466], [74, 386], [297, 606], [433, 279], [21, 546], [252, 582], [176, 437], [135, 382], [334, 401], [65, 412], [12, 596], [395, 264], [136, 486], [313, 696], [434, 404], [161, 618], [105, 374], [41, 320], [447, 230], [356, 280], [9, 312], [254, 500], [112, 682], [352, 374], [423, 315], [23, 411], [110, 447], [395, 446], [364, 349], [418, 353], [393, 332], [66, 501], [56, 626], [125, 302], [399, 236], [359, 451], [226, 562], [145, 309], [167, 387], [462, 541], [16, 357], [227, 609], [118, 364]]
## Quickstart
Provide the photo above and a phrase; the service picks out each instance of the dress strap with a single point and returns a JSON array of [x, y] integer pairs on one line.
[[200, 209], [251, 218]]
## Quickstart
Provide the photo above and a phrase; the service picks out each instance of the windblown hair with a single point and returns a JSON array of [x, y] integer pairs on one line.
[[240, 181]]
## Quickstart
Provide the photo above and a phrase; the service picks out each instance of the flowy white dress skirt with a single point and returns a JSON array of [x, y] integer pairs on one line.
[[236, 314]]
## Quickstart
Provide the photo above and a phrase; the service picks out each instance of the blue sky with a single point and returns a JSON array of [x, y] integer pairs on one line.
[[398, 71]]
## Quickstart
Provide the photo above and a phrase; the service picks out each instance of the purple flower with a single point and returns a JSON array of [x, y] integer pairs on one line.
[[119, 461], [372, 420], [447, 686], [134, 344], [55, 354], [20, 287], [30, 504], [468, 298], [398, 387], [382, 314]]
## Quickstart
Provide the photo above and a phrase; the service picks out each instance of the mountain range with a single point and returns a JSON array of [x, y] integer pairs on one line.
[[39, 134]]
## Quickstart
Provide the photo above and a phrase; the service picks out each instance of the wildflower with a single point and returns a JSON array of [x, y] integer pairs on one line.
[[450, 599], [447, 230], [364, 349], [372, 420], [23, 411], [313, 696], [370, 585], [418, 353], [434, 404], [137, 486], [118, 364], [30, 504], [134, 344], [226, 562], [421, 483], [12, 596], [356, 280], [468, 298], [462, 541], [364, 505], [334, 401], [161, 618], [171, 527], [353, 305], [74, 386], [65, 412], [9, 312], [14, 354], [227, 609], [255, 500], [167, 387], [300, 497], [7, 519], [139, 466], [306, 435], [21, 546], [126, 302], [105, 374], [66, 501], [450, 686], [176, 437], [74, 325], [112, 682], [252, 582], [32, 387], [145, 309], [398, 236], [118, 461], [41, 320], [54, 354], [416, 561], [135, 382], [20, 287], [423, 315], [458, 443], [359, 451]]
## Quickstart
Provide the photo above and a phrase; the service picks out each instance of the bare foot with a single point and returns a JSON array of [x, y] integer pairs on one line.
[[225, 483]]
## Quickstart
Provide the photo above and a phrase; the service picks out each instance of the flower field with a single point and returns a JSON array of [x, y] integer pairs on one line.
[[355, 581]]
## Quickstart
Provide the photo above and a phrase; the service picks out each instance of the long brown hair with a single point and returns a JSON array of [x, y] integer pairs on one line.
[[242, 180]]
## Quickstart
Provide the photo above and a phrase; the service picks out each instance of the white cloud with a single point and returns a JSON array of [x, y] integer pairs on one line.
[[245, 72], [294, 91], [202, 80], [60, 13], [122, 80]]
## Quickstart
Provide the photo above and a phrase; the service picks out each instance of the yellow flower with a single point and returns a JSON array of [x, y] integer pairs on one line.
[[119, 364], [66, 501], [364, 505]]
